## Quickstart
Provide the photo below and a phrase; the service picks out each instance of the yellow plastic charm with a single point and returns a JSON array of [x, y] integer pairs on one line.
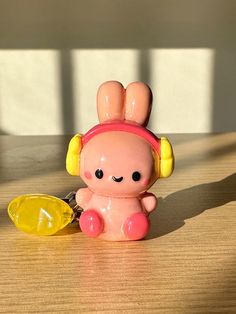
[[40, 214]]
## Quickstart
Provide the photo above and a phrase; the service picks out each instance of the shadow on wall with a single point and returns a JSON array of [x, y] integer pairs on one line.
[[174, 209], [67, 93], [224, 91], [154, 24]]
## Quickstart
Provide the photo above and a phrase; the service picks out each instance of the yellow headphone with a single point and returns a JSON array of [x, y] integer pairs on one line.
[[164, 157]]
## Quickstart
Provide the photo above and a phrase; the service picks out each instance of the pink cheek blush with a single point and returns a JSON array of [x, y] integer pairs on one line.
[[87, 175], [145, 182]]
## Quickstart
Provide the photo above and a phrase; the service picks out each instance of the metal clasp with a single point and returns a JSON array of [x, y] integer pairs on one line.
[[70, 200]]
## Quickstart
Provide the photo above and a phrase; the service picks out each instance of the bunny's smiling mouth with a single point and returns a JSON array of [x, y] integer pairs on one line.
[[117, 179]]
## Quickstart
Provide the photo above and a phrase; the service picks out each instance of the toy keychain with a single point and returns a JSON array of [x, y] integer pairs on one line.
[[119, 160]]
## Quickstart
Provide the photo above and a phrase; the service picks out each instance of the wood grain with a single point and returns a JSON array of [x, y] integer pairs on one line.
[[187, 264]]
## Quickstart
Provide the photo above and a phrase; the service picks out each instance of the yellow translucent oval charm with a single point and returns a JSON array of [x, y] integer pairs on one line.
[[40, 214]]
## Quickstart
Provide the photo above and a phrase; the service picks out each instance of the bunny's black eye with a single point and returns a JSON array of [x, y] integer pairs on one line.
[[136, 176], [99, 173]]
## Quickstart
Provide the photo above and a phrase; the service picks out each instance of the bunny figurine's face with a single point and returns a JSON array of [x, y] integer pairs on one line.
[[118, 164]]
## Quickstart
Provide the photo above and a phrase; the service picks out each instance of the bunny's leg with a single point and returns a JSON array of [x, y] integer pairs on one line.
[[91, 223], [136, 226]]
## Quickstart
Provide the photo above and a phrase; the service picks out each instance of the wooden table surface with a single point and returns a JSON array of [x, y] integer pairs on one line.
[[187, 264]]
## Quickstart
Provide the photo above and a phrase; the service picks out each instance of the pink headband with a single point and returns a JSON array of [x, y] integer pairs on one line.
[[124, 127]]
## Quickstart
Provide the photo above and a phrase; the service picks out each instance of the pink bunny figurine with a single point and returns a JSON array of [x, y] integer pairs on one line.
[[119, 160]]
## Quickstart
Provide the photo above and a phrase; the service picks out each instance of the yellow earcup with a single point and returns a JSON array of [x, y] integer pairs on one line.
[[73, 155], [167, 159]]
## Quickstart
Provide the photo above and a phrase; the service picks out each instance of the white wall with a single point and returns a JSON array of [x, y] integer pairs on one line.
[[32, 83], [55, 54]]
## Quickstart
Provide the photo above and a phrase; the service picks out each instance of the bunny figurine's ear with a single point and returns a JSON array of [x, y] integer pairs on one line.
[[110, 101], [138, 103]]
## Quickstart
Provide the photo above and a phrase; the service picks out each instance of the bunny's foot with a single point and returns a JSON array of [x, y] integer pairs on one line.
[[91, 223], [136, 226]]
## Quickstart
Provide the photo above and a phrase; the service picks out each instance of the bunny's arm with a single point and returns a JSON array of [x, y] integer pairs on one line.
[[83, 196], [149, 202]]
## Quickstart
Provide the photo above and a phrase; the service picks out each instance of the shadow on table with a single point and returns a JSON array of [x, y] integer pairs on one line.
[[174, 209], [69, 229]]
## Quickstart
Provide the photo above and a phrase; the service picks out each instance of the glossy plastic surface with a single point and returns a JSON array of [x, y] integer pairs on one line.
[[119, 160], [118, 155], [130, 104], [40, 214], [124, 127]]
